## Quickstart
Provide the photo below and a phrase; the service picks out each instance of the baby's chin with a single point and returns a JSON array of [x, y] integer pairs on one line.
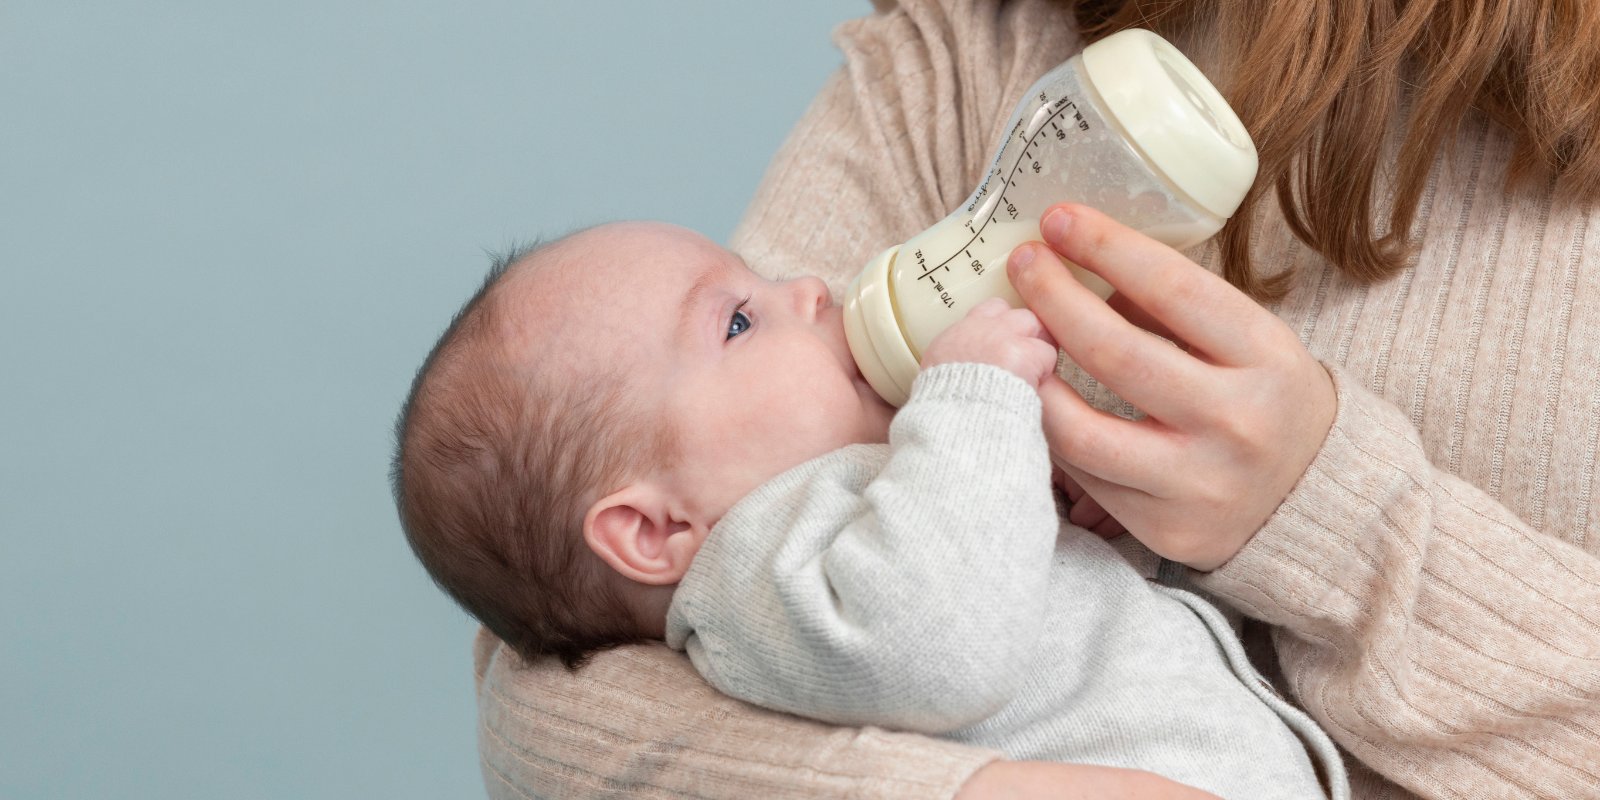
[[876, 412]]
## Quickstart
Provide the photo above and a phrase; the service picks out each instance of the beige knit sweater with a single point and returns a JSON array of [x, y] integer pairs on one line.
[[1432, 580]]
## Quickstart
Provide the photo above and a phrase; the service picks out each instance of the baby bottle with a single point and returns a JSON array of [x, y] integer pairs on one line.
[[1129, 127]]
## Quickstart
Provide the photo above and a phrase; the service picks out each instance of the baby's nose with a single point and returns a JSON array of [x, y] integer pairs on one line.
[[811, 295]]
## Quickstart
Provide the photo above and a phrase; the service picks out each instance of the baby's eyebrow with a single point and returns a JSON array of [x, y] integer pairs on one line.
[[686, 315]]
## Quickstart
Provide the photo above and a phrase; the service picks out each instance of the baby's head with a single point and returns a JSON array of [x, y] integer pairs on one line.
[[594, 409]]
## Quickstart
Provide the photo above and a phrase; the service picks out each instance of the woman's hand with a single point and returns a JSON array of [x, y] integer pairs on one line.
[[1046, 780], [1236, 411]]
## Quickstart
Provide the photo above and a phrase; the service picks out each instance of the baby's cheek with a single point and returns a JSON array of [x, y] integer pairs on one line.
[[813, 409]]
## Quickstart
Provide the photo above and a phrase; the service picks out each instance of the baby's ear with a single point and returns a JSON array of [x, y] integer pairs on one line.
[[634, 531]]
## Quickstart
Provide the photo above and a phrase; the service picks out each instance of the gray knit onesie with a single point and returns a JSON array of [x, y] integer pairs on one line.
[[928, 585]]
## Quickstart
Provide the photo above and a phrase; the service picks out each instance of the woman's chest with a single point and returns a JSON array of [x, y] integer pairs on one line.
[[1490, 342]]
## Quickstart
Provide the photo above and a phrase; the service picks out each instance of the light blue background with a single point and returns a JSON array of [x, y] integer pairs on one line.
[[228, 234]]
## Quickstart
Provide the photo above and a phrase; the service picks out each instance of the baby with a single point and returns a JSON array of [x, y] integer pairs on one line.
[[628, 435]]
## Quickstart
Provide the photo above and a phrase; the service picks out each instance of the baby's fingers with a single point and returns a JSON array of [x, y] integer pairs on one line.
[[1041, 358], [994, 333], [1087, 513], [1063, 479], [1024, 322], [989, 309]]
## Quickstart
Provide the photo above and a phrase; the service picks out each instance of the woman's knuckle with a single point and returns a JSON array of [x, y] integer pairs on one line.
[[1069, 445], [1117, 357], [1238, 429], [1026, 278], [1097, 237], [1209, 490], [1189, 291]]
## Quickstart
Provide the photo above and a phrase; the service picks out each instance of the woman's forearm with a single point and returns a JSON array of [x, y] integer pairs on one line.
[[638, 721], [1434, 634]]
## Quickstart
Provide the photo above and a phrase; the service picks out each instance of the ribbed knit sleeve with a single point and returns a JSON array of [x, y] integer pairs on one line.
[[637, 722], [1434, 635]]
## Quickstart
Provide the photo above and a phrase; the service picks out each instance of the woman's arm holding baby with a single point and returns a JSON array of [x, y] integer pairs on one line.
[[638, 722], [1433, 634]]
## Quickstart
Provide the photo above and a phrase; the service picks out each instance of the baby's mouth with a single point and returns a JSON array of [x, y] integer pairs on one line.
[[854, 370], [860, 380], [867, 392]]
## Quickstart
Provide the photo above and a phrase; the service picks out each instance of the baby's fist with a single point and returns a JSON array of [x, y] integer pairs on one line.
[[996, 334]]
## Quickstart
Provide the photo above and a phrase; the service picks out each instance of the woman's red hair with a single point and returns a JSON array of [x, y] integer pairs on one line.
[[1317, 83]]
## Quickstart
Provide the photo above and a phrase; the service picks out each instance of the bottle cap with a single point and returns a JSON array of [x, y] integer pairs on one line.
[[875, 338], [1174, 116]]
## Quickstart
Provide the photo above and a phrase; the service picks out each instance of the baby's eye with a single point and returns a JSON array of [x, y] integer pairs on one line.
[[739, 324]]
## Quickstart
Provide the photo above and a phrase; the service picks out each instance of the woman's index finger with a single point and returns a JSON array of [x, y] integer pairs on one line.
[[1202, 309], [1156, 377]]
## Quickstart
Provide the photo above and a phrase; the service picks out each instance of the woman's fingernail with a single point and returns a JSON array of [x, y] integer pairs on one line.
[[1055, 224], [1020, 257]]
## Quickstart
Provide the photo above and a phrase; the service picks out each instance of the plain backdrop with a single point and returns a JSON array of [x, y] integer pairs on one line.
[[228, 234]]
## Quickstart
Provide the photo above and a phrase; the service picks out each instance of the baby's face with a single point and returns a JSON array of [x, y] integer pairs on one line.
[[755, 376]]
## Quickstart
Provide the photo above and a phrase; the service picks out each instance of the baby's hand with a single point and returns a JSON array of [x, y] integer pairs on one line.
[[1086, 511], [996, 334]]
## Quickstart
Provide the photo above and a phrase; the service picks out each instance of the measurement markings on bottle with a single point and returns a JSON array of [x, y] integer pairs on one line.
[[1029, 137]]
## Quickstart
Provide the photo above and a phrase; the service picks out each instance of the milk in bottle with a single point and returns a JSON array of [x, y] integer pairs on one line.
[[1129, 127]]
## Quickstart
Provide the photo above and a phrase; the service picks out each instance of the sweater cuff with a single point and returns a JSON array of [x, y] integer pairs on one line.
[[977, 383], [1308, 560]]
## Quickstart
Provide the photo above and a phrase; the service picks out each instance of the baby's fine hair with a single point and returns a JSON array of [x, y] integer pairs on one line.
[[494, 470]]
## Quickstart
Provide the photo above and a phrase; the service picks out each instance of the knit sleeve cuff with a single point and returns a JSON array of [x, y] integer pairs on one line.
[[1308, 559], [977, 383]]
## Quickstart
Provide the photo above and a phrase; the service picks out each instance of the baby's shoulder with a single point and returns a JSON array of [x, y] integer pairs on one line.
[[851, 467], [829, 484]]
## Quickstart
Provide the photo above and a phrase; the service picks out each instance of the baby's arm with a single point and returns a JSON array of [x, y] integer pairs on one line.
[[903, 588]]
